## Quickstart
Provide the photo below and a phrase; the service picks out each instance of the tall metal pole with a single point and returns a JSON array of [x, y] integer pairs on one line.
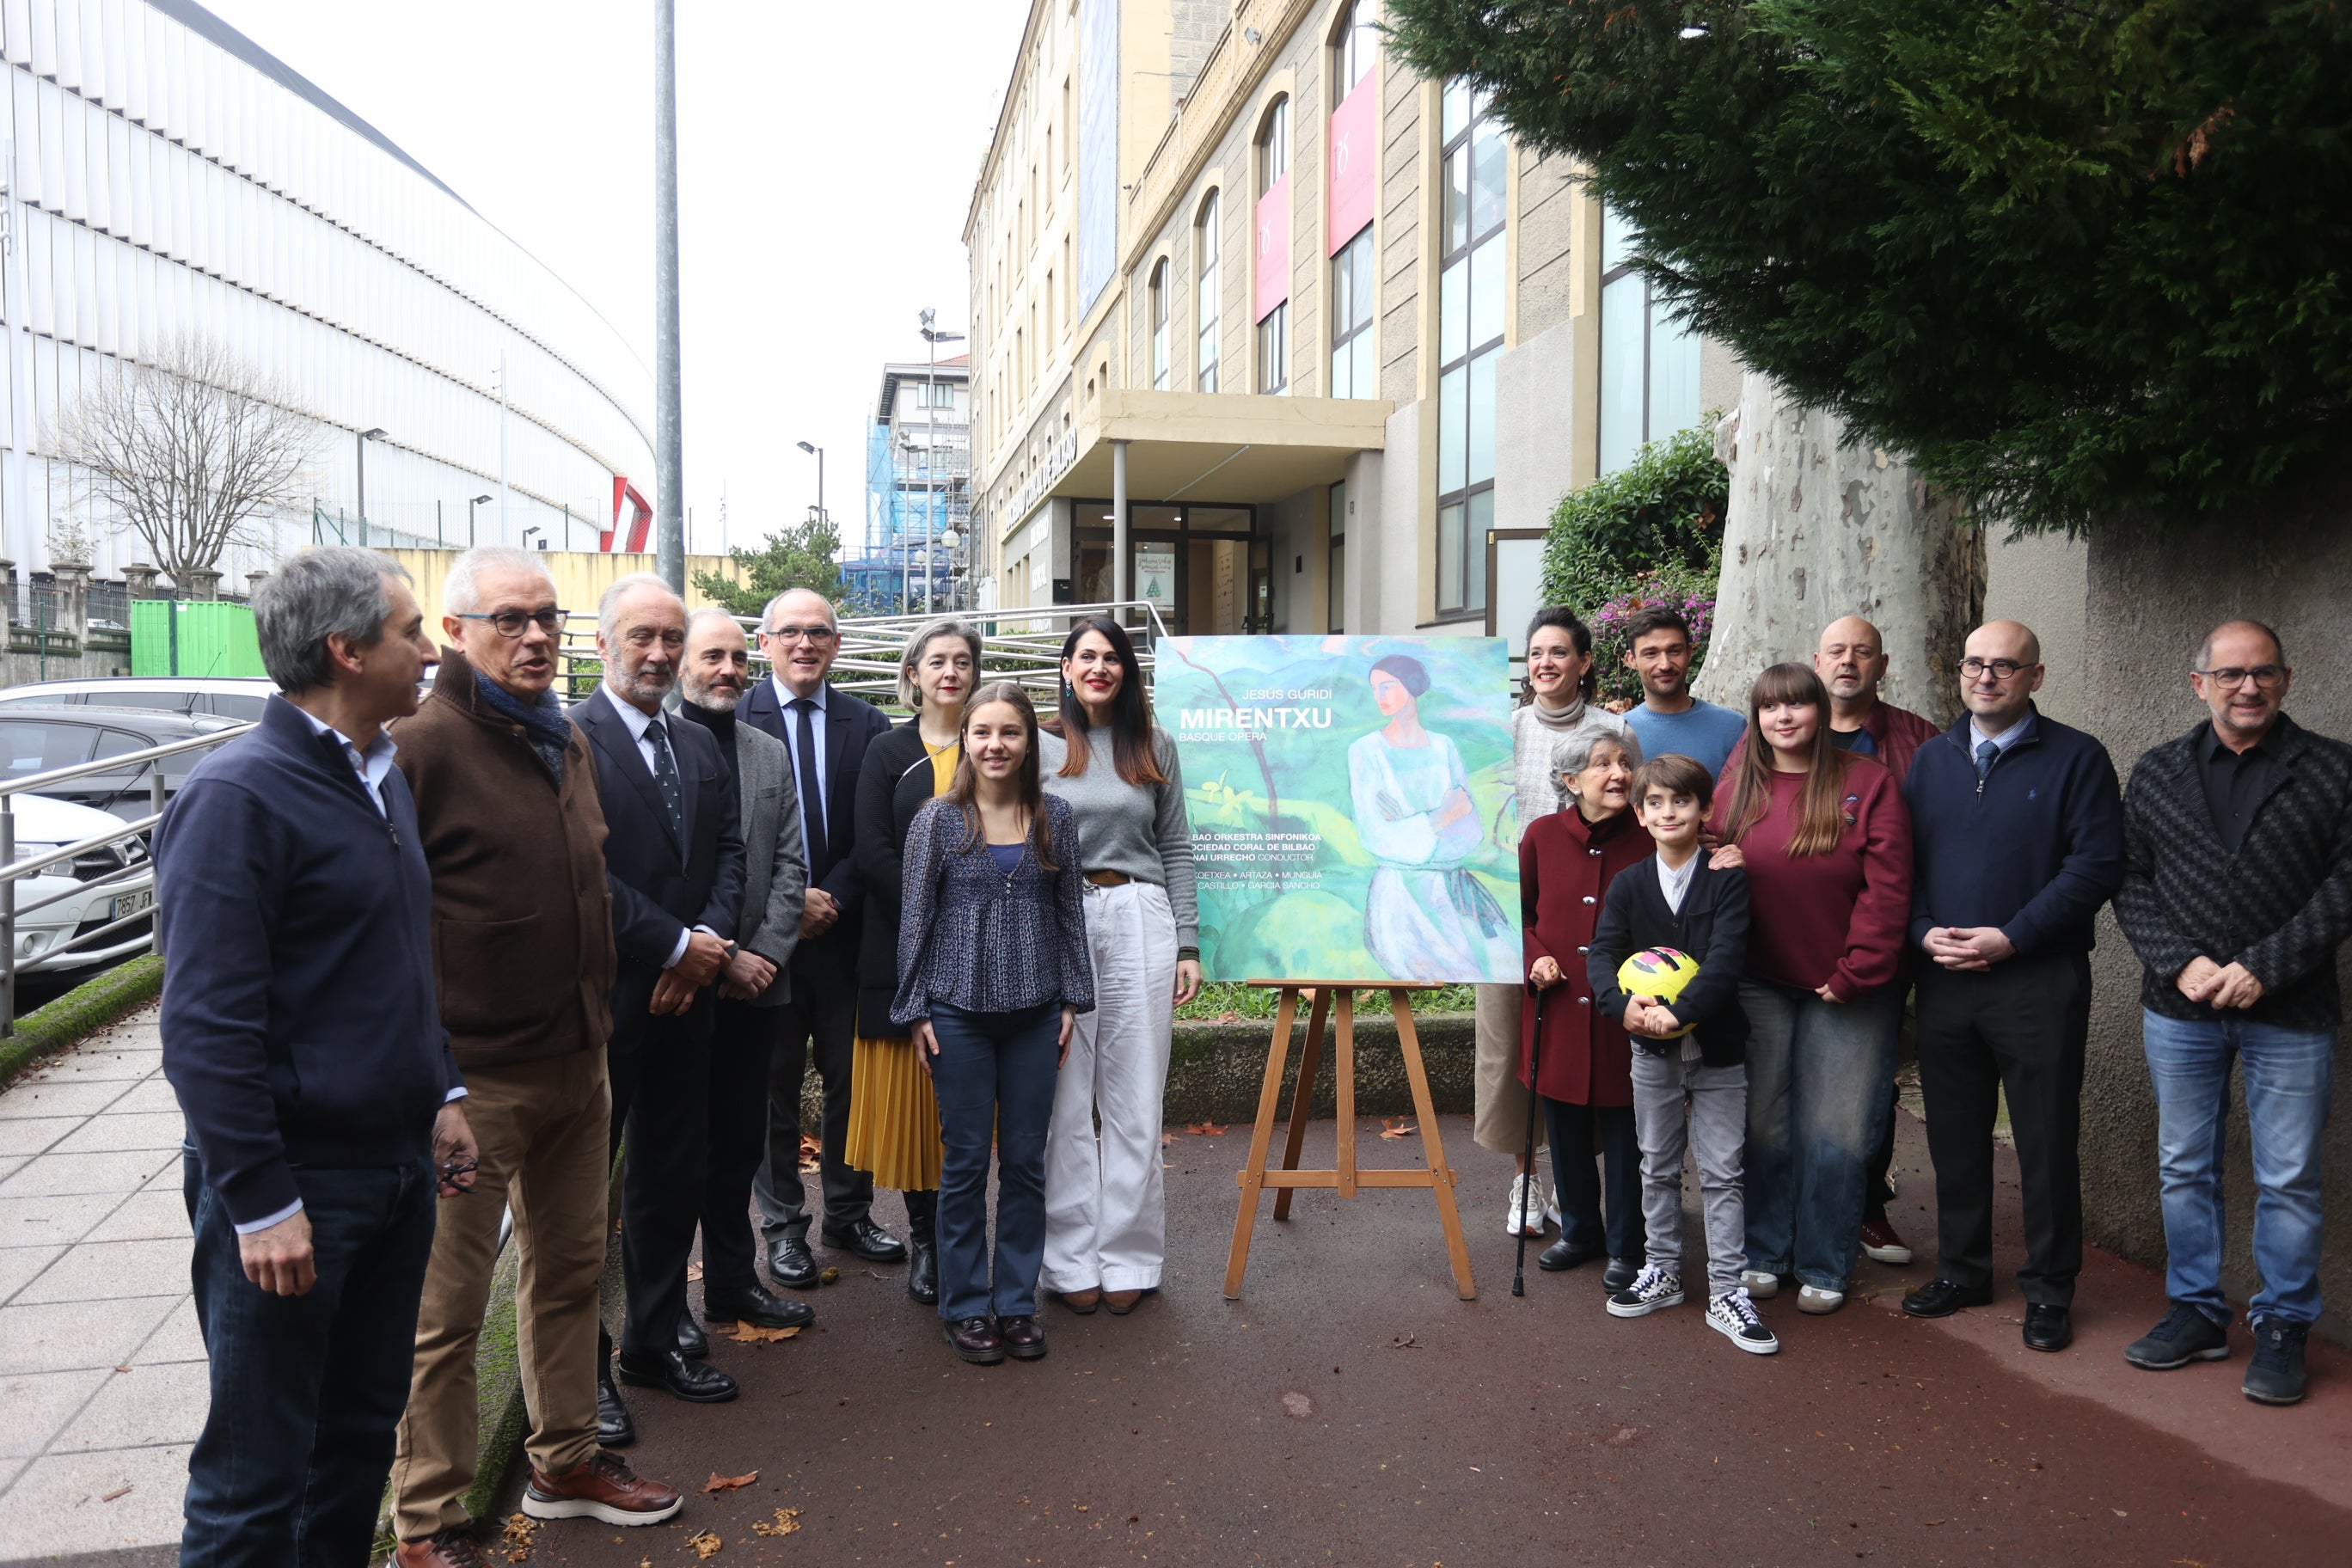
[[503, 403], [930, 463], [669, 462], [362, 451], [1118, 568], [19, 477]]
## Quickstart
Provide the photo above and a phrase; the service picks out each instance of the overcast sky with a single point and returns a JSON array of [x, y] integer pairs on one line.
[[827, 154]]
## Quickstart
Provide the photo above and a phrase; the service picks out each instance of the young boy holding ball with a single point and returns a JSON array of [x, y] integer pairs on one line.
[[1690, 1043]]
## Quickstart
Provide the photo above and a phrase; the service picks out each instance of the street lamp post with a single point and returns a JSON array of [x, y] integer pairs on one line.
[[478, 501], [819, 453], [669, 463], [933, 338], [375, 433]]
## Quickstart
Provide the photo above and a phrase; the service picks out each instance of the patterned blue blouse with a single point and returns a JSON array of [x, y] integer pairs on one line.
[[978, 938]]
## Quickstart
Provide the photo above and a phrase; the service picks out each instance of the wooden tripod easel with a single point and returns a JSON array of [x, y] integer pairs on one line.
[[1255, 1177]]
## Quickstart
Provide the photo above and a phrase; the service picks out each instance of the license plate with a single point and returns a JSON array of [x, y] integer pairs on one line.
[[137, 904]]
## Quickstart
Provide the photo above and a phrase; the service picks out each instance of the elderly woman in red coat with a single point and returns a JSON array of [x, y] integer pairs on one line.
[[1566, 861]]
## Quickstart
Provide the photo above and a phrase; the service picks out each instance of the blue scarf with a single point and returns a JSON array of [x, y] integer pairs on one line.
[[543, 721]]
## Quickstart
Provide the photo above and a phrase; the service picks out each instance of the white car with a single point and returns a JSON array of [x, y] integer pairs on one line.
[[83, 903]]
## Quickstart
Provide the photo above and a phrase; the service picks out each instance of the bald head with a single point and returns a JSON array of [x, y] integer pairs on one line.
[[1850, 661], [2242, 636], [1999, 673]]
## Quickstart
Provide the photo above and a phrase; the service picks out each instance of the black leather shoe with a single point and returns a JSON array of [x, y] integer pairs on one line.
[[2048, 1328], [756, 1307], [692, 1342], [1562, 1254], [923, 1273], [868, 1241], [614, 1426], [678, 1377], [1619, 1276], [793, 1264], [976, 1339], [1024, 1339], [1940, 1298]]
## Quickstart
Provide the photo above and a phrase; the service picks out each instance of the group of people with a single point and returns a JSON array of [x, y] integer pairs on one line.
[[1829, 861], [435, 959]]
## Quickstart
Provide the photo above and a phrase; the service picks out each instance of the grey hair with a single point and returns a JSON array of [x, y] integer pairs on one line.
[[711, 611], [768, 611], [608, 608], [910, 696], [1572, 753], [460, 597], [336, 590]]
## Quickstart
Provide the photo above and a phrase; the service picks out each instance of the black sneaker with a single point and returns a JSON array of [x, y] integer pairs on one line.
[[1652, 1288], [1735, 1317], [2185, 1335], [2276, 1376]]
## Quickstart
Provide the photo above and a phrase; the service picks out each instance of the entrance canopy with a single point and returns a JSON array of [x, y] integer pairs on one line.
[[1218, 446]]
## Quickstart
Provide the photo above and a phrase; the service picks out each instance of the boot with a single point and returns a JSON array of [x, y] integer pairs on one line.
[[923, 1247]]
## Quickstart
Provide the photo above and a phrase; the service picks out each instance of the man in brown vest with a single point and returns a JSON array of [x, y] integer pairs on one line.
[[513, 830]]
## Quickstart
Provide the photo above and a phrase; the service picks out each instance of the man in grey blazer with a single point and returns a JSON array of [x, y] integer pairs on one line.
[[754, 985]]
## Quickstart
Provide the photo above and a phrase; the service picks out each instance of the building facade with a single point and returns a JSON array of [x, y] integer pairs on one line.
[[169, 180], [1348, 344], [915, 553]]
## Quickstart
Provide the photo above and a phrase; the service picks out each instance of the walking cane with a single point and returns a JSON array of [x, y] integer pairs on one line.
[[1528, 1187]]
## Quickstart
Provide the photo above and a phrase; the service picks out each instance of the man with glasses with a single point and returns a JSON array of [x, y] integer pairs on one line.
[[2237, 893], [2017, 834], [512, 827], [825, 731]]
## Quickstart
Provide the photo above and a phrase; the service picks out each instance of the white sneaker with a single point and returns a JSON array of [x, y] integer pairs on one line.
[[1735, 1317], [1652, 1288], [1535, 1208], [1760, 1283], [1813, 1300]]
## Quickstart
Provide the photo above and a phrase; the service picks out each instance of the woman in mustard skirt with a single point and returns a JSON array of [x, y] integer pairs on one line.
[[894, 1115]]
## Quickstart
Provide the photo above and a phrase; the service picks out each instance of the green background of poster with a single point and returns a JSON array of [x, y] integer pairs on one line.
[[1309, 903]]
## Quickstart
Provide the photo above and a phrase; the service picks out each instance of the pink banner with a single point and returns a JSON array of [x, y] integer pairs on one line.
[[1270, 271], [1352, 159]]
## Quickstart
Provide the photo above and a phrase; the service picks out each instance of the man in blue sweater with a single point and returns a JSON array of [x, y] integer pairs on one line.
[[303, 1038], [2018, 834]]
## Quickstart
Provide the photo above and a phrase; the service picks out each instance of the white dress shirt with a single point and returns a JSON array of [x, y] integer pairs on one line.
[[2007, 738], [785, 698], [640, 722]]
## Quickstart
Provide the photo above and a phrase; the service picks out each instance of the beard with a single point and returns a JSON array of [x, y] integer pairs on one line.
[[713, 698]]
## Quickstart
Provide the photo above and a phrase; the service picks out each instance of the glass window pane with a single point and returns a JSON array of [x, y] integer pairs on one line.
[[1457, 107], [1482, 518], [1674, 375], [1457, 200], [1617, 239], [1343, 293], [32, 747], [1482, 416], [1218, 519], [1623, 337], [1449, 557], [1342, 384], [1453, 430], [1367, 378], [1453, 312], [1486, 293], [1487, 165]]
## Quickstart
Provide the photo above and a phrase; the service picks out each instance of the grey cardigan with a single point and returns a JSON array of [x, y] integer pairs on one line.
[[975, 937], [775, 868]]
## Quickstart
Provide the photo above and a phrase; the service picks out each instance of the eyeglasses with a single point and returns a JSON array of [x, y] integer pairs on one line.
[[2266, 677], [510, 623], [1999, 668], [802, 634]]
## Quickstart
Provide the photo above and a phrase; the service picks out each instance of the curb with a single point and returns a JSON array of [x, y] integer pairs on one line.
[[72, 1017]]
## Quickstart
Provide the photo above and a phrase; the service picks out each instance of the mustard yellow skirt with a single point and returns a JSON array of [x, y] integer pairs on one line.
[[894, 1116]]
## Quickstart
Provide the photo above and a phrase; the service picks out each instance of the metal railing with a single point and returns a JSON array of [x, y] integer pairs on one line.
[[135, 861]]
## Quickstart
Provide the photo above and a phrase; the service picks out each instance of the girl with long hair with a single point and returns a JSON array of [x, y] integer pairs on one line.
[[992, 977], [1826, 841], [1105, 1203]]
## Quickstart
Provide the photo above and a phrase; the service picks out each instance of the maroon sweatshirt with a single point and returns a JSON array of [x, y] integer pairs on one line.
[[1837, 919]]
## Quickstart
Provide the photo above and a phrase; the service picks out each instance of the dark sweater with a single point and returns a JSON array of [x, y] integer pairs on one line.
[[1711, 927], [894, 782], [300, 1027], [2034, 849], [2280, 905]]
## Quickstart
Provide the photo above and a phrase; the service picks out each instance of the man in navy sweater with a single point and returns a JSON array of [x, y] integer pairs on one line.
[[303, 1038], [2018, 834]]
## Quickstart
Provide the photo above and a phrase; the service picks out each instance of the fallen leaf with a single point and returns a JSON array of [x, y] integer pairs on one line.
[[517, 1537], [693, 1272], [1623, 1438], [705, 1545], [1166, 1139], [1396, 1127], [811, 1153], [787, 1520], [1229, 1017], [753, 1334], [117, 1492], [1297, 1406], [718, 1483], [1206, 1130], [1403, 1343], [1079, 1506], [829, 1276]]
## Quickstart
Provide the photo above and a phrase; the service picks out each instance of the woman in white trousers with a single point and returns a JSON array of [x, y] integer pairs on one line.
[[1106, 1200]]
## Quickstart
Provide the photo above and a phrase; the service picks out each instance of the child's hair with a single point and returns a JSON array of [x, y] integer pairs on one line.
[[964, 791], [1676, 774]]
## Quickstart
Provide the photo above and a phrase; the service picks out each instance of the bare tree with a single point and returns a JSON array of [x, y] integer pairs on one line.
[[188, 451]]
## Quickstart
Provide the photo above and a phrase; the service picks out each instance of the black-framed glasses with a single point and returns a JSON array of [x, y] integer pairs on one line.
[[1999, 669], [817, 634], [510, 623], [2266, 677]]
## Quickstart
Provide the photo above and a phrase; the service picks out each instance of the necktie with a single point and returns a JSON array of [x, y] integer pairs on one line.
[[811, 789], [1987, 754], [666, 778]]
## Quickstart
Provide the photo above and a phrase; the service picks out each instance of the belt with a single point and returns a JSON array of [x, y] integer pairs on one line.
[[1110, 879]]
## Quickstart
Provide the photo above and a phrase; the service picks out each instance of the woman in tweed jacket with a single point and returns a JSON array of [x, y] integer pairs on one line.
[[993, 973]]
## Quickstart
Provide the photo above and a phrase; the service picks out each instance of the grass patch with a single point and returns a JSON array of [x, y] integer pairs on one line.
[[74, 1016], [1219, 998]]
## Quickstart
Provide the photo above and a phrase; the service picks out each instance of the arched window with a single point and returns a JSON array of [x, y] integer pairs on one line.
[[1273, 326], [1355, 46], [1206, 238], [1159, 326]]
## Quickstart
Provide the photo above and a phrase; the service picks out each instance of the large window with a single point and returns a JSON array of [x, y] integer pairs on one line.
[[1205, 240], [1470, 341], [1159, 327], [1649, 361], [1274, 328], [1353, 373], [1357, 44]]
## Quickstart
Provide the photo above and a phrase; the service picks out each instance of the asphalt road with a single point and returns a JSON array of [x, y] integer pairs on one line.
[[1350, 1409]]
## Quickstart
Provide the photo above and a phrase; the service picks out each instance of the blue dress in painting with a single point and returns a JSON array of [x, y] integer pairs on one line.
[[1427, 917]]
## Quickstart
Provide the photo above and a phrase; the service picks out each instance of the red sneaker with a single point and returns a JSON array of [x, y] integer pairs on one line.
[[1879, 1243]]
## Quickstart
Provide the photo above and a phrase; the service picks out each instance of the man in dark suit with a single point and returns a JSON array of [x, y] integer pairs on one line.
[[827, 732], [674, 857]]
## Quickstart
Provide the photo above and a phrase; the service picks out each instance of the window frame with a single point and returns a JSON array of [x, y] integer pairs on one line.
[[1470, 548], [1156, 293], [1207, 235], [1651, 322], [1363, 294], [1272, 156]]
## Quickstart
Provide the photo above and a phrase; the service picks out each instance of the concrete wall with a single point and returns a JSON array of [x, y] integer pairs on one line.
[[2045, 582]]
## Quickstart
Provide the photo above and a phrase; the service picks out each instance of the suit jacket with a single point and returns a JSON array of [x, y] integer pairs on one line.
[[662, 886], [852, 724], [776, 868], [1711, 927], [894, 784]]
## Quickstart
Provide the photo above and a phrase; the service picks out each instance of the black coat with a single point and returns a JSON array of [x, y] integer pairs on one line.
[[891, 787], [851, 725], [1712, 928], [661, 885]]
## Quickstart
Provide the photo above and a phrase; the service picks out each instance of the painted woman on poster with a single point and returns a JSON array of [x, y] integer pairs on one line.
[[1426, 917]]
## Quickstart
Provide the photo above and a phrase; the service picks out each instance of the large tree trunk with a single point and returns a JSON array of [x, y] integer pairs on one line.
[[1817, 529]]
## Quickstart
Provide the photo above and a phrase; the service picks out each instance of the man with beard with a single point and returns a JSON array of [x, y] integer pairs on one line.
[[1659, 648], [754, 985]]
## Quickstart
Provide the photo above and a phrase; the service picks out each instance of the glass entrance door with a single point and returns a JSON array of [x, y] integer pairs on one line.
[[1201, 567]]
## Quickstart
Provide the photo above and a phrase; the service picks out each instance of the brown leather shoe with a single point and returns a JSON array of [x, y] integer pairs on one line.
[[1025, 1337], [452, 1548], [1121, 1302], [603, 1489]]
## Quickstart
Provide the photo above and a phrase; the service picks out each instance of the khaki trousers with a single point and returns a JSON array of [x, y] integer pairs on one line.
[[542, 1128], [1498, 1099]]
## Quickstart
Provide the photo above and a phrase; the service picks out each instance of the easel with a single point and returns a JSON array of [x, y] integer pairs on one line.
[[1255, 1177]]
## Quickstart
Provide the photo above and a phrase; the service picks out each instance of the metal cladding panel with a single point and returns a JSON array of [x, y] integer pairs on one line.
[[208, 640]]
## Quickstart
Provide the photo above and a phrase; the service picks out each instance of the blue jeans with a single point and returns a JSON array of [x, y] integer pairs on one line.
[[996, 1075], [307, 1391], [2290, 1076], [1820, 1077]]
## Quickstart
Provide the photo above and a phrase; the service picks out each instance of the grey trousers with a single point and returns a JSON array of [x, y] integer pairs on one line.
[[1717, 1135]]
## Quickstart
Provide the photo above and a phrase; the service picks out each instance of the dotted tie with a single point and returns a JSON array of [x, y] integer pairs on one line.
[[666, 778]]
